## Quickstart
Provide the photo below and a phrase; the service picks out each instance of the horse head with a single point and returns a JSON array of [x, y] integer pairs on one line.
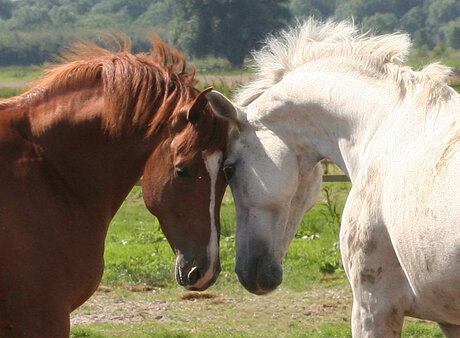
[[269, 184], [183, 185]]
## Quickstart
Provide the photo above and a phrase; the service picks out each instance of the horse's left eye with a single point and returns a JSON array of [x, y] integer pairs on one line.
[[182, 172], [229, 171]]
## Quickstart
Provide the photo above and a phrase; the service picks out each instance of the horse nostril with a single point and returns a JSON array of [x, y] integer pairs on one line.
[[193, 275]]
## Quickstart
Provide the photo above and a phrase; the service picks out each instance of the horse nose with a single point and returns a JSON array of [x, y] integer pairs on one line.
[[200, 279], [269, 276], [196, 277], [259, 275], [193, 275]]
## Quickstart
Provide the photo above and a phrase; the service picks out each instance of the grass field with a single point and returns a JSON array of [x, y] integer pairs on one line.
[[419, 58], [137, 252], [20, 74]]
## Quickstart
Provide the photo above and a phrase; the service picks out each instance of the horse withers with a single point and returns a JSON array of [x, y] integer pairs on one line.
[[325, 91], [71, 149]]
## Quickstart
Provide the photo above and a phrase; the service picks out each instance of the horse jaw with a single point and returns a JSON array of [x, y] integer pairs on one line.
[[308, 191]]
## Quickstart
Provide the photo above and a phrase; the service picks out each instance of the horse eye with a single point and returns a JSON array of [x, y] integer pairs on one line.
[[182, 172], [229, 171]]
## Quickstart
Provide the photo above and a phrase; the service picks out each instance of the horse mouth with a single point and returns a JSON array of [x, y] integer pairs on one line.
[[262, 291]]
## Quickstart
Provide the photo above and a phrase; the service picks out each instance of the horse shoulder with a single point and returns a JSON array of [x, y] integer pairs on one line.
[[370, 260], [362, 225]]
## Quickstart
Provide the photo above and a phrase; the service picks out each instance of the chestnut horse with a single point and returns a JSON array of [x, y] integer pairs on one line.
[[72, 147]]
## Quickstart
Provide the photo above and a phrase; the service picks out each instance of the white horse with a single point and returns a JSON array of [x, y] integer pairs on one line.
[[323, 90]]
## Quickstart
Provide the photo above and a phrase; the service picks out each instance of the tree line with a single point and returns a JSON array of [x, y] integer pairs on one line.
[[32, 31]]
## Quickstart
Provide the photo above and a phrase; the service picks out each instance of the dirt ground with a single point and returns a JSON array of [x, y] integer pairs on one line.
[[112, 307], [19, 84], [174, 305], [228, 311]]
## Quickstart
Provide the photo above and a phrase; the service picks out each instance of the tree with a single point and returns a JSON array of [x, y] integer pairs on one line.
[[318, 8], [404, 6], [158, 13], [6, 6], [63, 15], [129, 9], [452, 31], [443, 11], [440, 12], [422, 39], [413, 20], [32, 30], [245, 23], [364, 8], [33, 16], [344, 10], [227, 28], [380, 22], [194, 25]]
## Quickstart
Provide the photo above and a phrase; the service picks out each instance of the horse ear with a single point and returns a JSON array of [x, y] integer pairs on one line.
[[222, 106], [194, 113]]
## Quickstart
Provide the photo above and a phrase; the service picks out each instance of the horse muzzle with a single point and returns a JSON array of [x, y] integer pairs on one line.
[[259, 275], [196, 277]]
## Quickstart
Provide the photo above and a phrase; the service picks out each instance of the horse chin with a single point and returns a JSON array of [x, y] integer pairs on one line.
[[261, 291]]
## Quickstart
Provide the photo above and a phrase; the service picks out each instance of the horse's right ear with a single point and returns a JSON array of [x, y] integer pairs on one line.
[[222, 106]]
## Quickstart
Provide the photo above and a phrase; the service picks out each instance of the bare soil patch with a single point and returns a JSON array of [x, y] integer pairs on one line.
[[19, 84], [110, 307], [320, 305]]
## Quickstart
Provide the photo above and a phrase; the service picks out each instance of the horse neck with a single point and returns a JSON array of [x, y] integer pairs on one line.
[[91, 167], [328, 115]]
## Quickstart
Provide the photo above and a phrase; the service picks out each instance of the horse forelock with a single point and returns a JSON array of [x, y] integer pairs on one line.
[[209, 134], [339, 44], [140, 90]]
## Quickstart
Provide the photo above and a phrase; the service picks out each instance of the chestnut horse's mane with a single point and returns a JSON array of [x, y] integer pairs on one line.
[[141, 89]]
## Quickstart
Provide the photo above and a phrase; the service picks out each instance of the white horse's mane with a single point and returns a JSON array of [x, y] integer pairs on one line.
[[311, 40]]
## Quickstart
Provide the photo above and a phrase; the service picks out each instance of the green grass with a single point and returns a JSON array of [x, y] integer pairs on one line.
[[456, 84], [172, 330], [15, 79], [8, 92], [223, 322], [20, 73], [220, 85], [137, 252], [419, 58]]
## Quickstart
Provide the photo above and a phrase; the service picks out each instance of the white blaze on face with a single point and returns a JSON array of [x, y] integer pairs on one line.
[[212, 162]]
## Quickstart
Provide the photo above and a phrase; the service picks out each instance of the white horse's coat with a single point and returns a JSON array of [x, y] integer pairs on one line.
[[324, 91]]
